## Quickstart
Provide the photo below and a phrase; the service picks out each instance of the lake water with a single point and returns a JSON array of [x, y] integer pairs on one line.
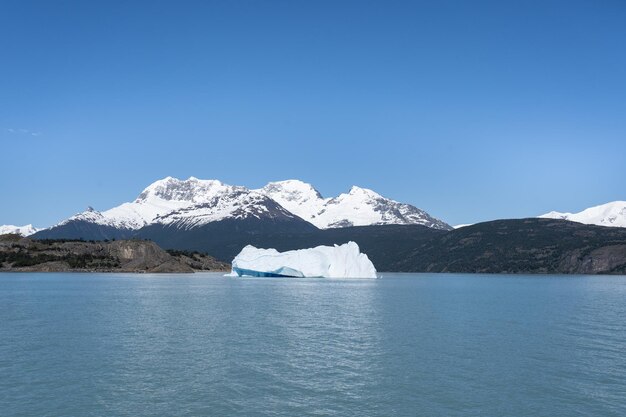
[[402, 345]]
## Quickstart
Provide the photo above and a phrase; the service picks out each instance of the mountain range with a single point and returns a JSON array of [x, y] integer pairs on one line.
[[220, 219], [190, 204]]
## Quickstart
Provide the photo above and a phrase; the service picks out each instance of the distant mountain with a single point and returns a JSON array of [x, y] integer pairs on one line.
[[358, 207], [609, 214], [158, 199], [26, 230], [172, 204]]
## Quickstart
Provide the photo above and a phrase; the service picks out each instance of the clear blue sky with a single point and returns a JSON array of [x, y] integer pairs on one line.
[[470, 110]]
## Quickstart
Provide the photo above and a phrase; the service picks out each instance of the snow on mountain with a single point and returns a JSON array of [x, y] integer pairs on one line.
[[231, 204], [158, 199], [26, 230], [358, 207], [296, 196], [193, 202], [610, 214]]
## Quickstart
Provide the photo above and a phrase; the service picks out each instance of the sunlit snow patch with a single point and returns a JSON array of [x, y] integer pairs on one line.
[[339, 261]]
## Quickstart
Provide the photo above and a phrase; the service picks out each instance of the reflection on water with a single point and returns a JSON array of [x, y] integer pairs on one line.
[[97, 344]]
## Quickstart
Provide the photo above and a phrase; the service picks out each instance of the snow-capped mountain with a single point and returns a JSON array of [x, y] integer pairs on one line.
[[158, 199], [358, 207], [26, 230], [610, 214], [186, 204]]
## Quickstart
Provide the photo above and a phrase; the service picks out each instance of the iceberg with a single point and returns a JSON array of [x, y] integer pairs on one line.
[[338, 261]]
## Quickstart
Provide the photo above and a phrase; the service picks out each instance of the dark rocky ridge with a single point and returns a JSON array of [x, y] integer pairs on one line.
[[534, 246], [537, 246], [541, 246], [28, 255]]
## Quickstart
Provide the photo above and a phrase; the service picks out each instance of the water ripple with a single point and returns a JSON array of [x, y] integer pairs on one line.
[[404, 345]]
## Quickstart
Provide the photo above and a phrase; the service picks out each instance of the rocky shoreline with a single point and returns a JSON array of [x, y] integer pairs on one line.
[[20, 254]]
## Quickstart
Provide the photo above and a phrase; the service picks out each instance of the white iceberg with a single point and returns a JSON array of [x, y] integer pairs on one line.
[[338, 261]]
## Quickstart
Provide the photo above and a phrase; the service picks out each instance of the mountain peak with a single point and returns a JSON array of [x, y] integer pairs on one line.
[[356, 190], [25, 230], [189, 190], [611, 214], [89, 215], [292, 189]]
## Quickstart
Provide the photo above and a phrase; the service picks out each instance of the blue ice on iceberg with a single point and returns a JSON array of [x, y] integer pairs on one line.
[[338, 261]]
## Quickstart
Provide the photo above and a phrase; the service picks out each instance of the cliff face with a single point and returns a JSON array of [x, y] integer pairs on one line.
[[135, 255], [23, 254], [608, 259]]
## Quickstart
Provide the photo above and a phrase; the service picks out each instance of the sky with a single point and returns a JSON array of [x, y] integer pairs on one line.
[[469, 110]]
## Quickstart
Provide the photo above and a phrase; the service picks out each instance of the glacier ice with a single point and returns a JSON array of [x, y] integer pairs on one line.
[[338, 261]]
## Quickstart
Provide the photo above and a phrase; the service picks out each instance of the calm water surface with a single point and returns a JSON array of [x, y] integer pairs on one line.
[[405, 345]]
